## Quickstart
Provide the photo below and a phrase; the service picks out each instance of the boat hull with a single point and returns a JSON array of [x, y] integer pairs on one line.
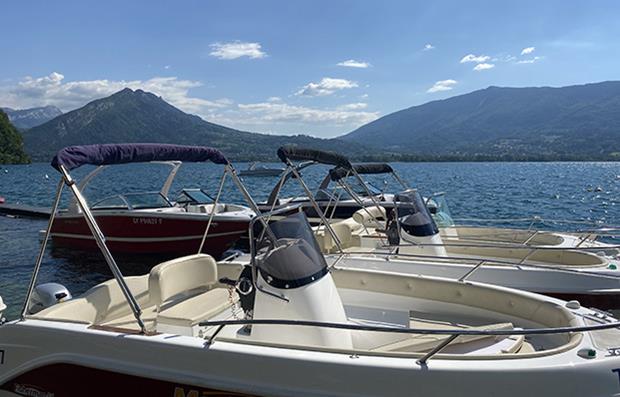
[[144, 233], [589, 288], [46, 358]]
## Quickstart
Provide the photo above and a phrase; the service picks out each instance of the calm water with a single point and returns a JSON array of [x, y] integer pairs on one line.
[[575, 191]]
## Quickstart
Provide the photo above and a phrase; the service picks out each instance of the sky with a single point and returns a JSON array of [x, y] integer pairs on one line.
[[321, 68]]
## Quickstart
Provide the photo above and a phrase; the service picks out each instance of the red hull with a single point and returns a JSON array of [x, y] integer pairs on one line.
[[150, 234]]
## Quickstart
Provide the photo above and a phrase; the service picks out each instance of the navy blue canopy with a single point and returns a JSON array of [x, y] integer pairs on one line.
[[292, 152], [75, 156], [365, 168]]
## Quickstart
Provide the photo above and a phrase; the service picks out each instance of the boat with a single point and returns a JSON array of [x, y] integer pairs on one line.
[[150, 222], [344, 199], [381, 241], [487, 231], [343, 192], [293, 322], [260, 170]]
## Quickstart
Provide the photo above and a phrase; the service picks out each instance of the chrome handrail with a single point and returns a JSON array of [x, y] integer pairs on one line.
[[454, 333], [487, 261]]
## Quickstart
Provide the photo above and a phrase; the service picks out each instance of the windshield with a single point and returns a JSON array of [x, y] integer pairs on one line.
[[438, 206], [290, 256], [194, 196], [147, 200], [413, 215]]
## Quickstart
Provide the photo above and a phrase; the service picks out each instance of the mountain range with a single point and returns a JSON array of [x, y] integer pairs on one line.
[[580, 122], [28, 118], [539, 123], [139, 116]]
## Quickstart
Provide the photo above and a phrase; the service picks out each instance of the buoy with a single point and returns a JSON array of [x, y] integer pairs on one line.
[[47, 176], [1, 200]]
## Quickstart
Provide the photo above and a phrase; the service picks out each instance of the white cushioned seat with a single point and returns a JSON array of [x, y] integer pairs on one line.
[[191, 311], [188, 275]]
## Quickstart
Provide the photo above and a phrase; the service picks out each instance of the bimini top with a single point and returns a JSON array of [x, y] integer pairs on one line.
[[291, 152], [75, 156], [338, 173]]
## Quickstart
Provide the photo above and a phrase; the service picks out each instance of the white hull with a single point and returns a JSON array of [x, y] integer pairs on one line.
[[259, 370]]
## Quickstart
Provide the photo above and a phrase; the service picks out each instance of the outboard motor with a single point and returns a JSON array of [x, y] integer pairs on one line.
[[416, 225], [46, 295], [294, 283]]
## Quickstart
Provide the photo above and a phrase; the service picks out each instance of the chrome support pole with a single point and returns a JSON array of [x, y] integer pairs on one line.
[[316, 207], [368, 192], [217, 199], [400, 180], [436, 350], [471, 271], [37, 265], [100, 239]]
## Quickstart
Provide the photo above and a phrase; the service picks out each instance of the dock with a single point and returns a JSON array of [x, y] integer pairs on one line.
[[24, 210]]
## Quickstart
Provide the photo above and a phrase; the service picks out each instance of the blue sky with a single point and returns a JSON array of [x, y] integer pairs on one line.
[[316, 67]]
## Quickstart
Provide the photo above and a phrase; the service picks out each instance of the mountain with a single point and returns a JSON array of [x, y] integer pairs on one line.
[[11, 146], [575, 122], [28, 118], [139, 116]]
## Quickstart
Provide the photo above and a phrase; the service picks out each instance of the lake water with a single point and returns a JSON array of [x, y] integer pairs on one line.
[[567, 191]]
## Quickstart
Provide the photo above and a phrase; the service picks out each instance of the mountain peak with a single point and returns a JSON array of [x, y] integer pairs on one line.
[[28, 118]]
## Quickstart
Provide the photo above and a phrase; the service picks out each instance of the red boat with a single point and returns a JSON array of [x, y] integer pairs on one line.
[[149, 223]]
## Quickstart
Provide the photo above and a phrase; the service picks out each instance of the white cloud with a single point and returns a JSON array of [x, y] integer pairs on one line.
[[364, 96], [237, 49], [354, 106], [53, 90], [167, 67], [429, 47], [531, 60], [352, 63], [273, 114], [475, 58], [483, 66], [527, 50], [326, 86], [442, 85], [279, 112]]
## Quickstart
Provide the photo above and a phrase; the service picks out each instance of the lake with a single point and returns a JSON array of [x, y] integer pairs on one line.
[[566, 191]]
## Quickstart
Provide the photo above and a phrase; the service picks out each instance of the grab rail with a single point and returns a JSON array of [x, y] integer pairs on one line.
[[412, 331], [483, 261]]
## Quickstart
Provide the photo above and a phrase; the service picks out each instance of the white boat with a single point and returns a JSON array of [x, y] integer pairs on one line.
[[290, 325], [567, 273], [255, 169], [343, 191]]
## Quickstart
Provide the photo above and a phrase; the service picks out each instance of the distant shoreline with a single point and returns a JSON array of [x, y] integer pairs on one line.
[[393, 160]]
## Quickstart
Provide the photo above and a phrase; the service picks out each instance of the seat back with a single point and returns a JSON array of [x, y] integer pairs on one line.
[[186, 274]]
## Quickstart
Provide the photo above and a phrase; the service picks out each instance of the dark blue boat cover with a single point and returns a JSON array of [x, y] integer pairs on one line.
[[292, 152], [75, 156], [365, 168]]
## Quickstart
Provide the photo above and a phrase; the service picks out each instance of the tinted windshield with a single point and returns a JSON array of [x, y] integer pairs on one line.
[[294, 258], [194, 196], [147, 200], [413, 215]]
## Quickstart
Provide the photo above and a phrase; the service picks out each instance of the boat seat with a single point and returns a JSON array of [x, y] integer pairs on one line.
[[181, 277], [100, 303], [345, 230], [189, 312], [207, 208], [422, 343], [368, 216]]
